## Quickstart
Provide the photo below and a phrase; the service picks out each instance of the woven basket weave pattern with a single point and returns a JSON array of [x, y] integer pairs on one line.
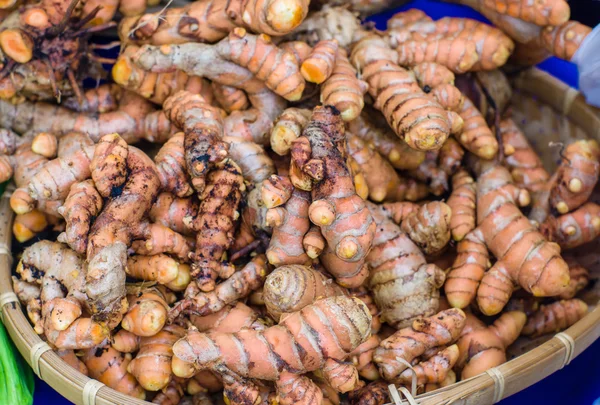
[[546, 109]]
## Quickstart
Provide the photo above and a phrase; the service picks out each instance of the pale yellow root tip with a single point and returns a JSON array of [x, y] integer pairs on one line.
[[596, 223], [509, 150], [347, 248], [121, 71], [575, 185], [321, 213], [394, 156], [562, 207], [524, 198], [570, 230], [285, 15], [488, 151], [181, 368]]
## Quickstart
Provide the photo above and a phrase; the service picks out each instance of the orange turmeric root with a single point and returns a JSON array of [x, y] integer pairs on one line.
[[243, 130], [113, 231], [211, 21], [482, 47], [230, 319], [546, 12], [450, 157], [110, 367], [384, 183], [290, 288], [26, 226], [277, 68], [230, 98], [367, 298], [340, 376], [462, 203], [182, 280], [203, 127], [125, 341], [204, 381], [417, 119], [81, 206], [155, 239], [276, 191], [102, 99], [45, 144], [477, 137], [151, 366], [207, 61], [404, 286], [430, 173], [156, 87], [344, 219], [290, 223], [318, 66], [402, 24], [429, 227], [541, 272], [342, 89], [173, 394], [238, 286], [295, 389], [313, 242], [147, 312], [470, 264], [483, 347], [174, 213], [564, 40], [215, 224], [410, 343], [135, 119], [287, 128], [300, 49], [22, 166], [575, 228], [253, 223], [69, 357], [56, 268], [159, 268], [389, 146], [29, 295], [55, 179], [555, 317], [171, 166], [579, 276], [83, 333], [375, 393], [334, 21], [524, 163], [362, 358], [348, 323], [576, 176], [433, 370], [9, 142], [109, 165], [431, 74]]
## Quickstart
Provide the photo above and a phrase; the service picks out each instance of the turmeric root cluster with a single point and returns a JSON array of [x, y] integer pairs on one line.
[[327, 209]]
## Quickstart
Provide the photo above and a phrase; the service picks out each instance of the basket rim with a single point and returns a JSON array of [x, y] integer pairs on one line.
[[72, 384]]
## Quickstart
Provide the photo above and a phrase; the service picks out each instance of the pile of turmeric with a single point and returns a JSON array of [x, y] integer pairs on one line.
[[314, 184]]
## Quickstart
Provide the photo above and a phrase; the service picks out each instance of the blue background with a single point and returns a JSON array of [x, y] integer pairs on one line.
[[578, 383]]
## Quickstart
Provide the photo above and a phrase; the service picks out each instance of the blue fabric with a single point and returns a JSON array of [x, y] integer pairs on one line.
[[579, 383]]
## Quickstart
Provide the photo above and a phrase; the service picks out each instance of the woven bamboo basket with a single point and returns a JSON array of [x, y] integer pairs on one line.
[[547, 110]]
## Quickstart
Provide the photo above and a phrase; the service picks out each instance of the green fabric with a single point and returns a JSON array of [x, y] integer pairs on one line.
[[16, 378]]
